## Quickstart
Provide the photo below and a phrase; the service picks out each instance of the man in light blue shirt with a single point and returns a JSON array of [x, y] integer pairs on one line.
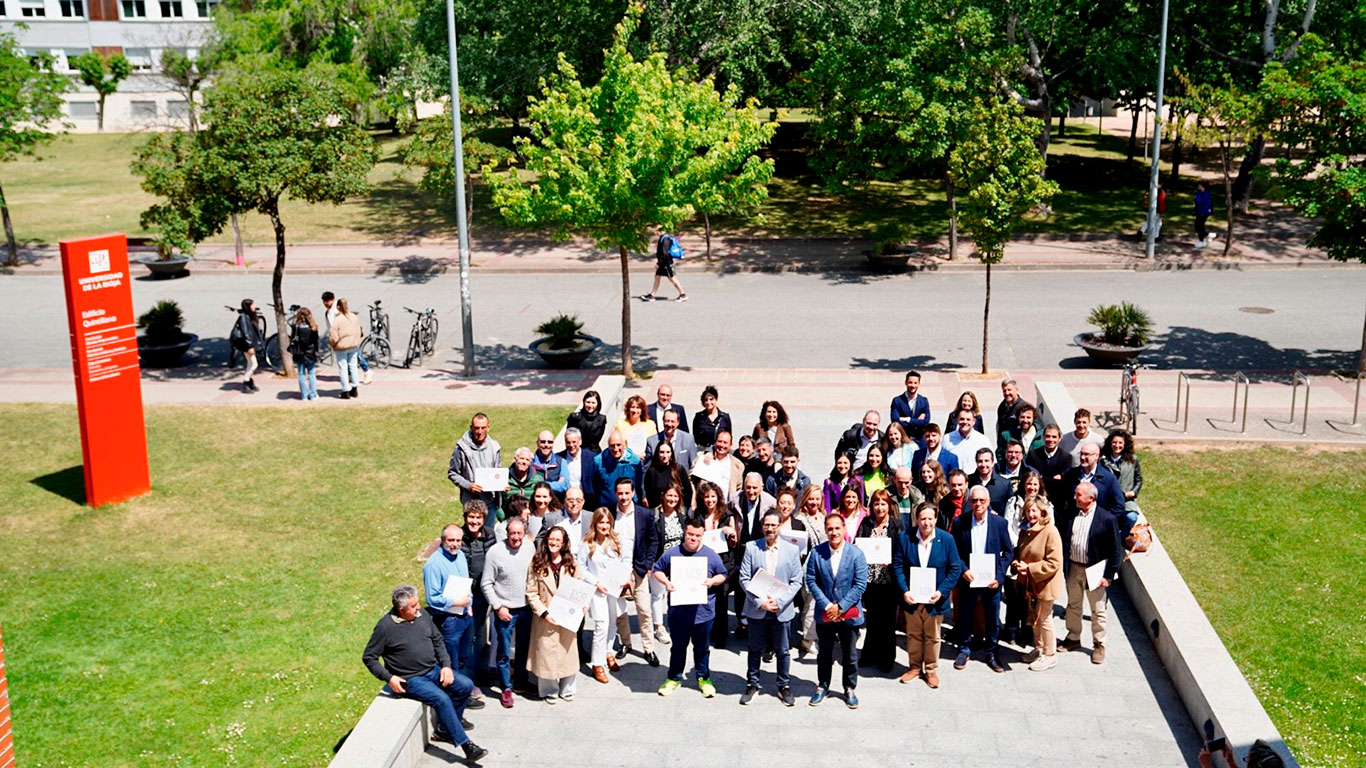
[[452, 618]]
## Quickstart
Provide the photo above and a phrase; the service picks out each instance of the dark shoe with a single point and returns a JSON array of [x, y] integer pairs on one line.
[[750, 692], [354, 393], [850, 700], [506, 699], [741, 631], [647, 297], [467, 725], [819, 696], [785, 695], [345, 395], [994, 663], [439, 734], [962, 660], [769, 656], [1068, 644], [622, 651], [612, 663], [474, 703], [651, 659], [473, 751]]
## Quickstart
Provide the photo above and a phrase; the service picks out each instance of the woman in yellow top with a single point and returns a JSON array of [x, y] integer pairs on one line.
[[553, 657], [634, 426], [875, 476]]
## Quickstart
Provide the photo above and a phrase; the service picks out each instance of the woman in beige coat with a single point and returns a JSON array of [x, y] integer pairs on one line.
[[1038, 564], [345, 336], [553, 657]]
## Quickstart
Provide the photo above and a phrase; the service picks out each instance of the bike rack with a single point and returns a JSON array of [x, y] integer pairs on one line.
[[1184, 416], [1356, 408], [1247, 388], [1295, 382]]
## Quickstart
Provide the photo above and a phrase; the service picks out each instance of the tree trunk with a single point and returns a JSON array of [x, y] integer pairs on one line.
[[1133, 137], [276, 285], [1176, 157], [986, 319], [1242, 186], [1062, 123], [1046, 125], [1228, 195], [626, 368], [953, 220], [11, 246], [101, 123], [238, 251], [706, 225]]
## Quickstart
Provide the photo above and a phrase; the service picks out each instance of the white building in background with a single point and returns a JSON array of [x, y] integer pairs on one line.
[[140, 29]]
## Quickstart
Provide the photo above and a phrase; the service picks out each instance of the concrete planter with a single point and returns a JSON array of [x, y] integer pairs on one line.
[[1107, 354], [164, 355], [892, 260], [566, 358], [167, 268]]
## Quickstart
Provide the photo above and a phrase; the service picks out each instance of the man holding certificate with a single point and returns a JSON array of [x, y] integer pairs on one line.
[[771, 574], [690, 572], [983, 539], [926, 565], [836, 576], [449, 589], [1090, 543]]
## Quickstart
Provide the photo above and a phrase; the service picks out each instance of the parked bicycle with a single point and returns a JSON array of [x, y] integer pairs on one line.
[[1128, 397], [422, 339], [234, 357], [375, 346]]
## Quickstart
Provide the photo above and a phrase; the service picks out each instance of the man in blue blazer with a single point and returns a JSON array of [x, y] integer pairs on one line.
[[685, 450], [836, 575], [1109, 497], [576, 465], [911, 409], [925, 546], [981, 533], [664, 397], [770, 616], [931, 446]]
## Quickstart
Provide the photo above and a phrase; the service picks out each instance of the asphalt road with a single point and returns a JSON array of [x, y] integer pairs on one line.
[[924, 321]]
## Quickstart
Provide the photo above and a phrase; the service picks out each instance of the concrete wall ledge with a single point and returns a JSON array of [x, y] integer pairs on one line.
[[391, 734]]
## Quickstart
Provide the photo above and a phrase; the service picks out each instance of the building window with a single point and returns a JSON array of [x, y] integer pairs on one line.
[[32, 9], [84, 110], [172, 9], [205, 7], [73, 9], [178, 110], [134, 9], [68, 55], [144, 110], [139, 58]]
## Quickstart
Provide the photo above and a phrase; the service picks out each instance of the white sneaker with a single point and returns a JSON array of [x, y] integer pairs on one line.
[[1043, 663], [368, 377], [552, 699], [1200, 244], [661, 637], [1213, 235]]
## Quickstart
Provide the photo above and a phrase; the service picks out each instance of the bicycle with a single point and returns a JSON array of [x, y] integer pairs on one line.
[[1128, 396], [375, 346], [233, 357], [422, 339]]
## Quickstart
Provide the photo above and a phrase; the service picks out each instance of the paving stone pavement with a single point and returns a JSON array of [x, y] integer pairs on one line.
[[1122, 713]]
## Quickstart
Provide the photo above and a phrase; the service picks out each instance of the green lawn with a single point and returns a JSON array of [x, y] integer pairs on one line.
[[88, 174], [1271, 541], [221, 618]]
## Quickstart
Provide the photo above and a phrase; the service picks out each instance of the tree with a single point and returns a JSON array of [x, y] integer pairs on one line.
[[432, 149], [271, 134], [103, 73], [621, 158], [187, 75], [30, 106], [1001, 171], [1226, 117]]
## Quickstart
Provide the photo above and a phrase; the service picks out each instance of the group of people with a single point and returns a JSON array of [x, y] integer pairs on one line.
[[915, 526], [341, 331]]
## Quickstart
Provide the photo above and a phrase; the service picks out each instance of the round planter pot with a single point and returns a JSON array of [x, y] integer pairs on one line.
[[566, 358], [164, 355], [167, 268], [1107, 354], [894, 260]]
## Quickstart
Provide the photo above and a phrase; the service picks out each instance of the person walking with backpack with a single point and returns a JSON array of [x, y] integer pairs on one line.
[[303, 346], [246, 339], [667, 250]]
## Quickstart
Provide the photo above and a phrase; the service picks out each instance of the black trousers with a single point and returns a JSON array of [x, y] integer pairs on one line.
[[826, 637], [1200, 230], [879, 638]]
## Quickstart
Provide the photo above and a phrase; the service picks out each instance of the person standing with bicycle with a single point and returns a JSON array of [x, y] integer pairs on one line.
[[344, 336], [246, 339], [303, 346], [330, 314]]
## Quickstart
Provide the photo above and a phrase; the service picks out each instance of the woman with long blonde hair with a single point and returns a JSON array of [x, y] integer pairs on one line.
[[602, 557]]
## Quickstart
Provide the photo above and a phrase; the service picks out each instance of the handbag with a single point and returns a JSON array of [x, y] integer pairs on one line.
[[1140, 538], [854, 612]]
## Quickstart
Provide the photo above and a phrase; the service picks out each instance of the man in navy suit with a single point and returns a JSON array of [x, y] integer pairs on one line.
[[1108, 494], [931, 447], [925, 546], [986, 476], [635, 525], [769, 617], [981, 533], [911, 409], [664, 397], [1052, 462], [836, 575], [1090, 537], [685, 450], [576, 464]]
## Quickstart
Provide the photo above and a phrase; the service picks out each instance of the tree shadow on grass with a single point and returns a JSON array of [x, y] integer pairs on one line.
[[68, 483]]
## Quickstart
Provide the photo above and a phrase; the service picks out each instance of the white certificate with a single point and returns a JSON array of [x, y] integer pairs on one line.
[[878, 550], [764, 585], [716, 539], [709, 469], [565, 613], [797, 539], [457, 589], [1094, 574], [983, 569], [491, 479], [688, 575], [922, 584], [574, 591], [616, 573]]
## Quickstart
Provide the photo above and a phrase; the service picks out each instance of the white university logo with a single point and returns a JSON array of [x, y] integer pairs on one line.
[[99, 261]]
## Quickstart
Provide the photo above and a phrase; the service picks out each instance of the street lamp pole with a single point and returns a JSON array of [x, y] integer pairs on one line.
[[462, 226], [1157, 137]]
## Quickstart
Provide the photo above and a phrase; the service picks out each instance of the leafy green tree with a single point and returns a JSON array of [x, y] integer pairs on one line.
[[1001, 171], [271, 134], [1226, 117], [431, 149], [103, 73], [629, 155], [30, 107], [188, 75], [732, 41]]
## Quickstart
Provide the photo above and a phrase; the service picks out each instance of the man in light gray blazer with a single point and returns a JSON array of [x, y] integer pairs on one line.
[[685, 449], [770, 616]]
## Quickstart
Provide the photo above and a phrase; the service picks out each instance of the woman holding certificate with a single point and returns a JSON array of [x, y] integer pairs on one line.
[[810, 515], [602, 559], [881, 598], [552, 658], [1038, 562]]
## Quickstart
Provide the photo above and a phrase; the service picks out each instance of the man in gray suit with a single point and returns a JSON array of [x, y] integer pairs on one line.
[[685, 449], [771, 614]]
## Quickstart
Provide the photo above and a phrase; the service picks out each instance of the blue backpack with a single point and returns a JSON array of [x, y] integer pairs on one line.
[[675, 250]]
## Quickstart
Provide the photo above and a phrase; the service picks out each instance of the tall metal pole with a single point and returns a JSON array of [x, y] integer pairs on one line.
[[461, 225], [1157, 136]]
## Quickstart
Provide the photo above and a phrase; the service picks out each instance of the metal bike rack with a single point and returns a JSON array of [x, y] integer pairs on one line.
[[1183, 415], [1356, 408], [1295, 382], [1247, 388]]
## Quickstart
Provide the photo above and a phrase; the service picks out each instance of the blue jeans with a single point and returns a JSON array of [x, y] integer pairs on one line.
[[347, 367], [766, 633], [453, 629], [473, 647], [308, 380], [449, 702], [364, 366], [683, 631], [514, 637], [968, 598]]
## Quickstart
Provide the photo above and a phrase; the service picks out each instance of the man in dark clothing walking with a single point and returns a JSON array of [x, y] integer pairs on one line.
[[664, 267], [1204, 206]]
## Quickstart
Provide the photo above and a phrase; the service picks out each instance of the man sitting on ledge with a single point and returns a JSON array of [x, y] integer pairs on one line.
[[416, 666]]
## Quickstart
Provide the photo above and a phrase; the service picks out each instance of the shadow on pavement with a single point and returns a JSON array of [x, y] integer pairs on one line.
[[1173, 709], [1196, 348], [68, 483], [909, 363]]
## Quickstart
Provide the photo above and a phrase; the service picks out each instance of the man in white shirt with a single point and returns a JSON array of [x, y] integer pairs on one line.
[[965, 442], [628, 519], [1082, 434], [719, 466]]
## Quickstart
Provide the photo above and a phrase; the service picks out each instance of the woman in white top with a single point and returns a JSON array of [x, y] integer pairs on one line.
[[811, 513], [602, 554], [898, 448], [634, 426]]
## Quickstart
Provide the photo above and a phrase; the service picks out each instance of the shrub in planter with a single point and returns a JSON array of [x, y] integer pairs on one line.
[[561, 332], [163, 341], [1122, 324]]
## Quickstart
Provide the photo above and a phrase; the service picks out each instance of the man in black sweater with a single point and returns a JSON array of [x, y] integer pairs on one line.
[[416, 666]]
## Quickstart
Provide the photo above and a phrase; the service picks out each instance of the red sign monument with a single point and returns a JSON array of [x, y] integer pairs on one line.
[[104, 353]]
